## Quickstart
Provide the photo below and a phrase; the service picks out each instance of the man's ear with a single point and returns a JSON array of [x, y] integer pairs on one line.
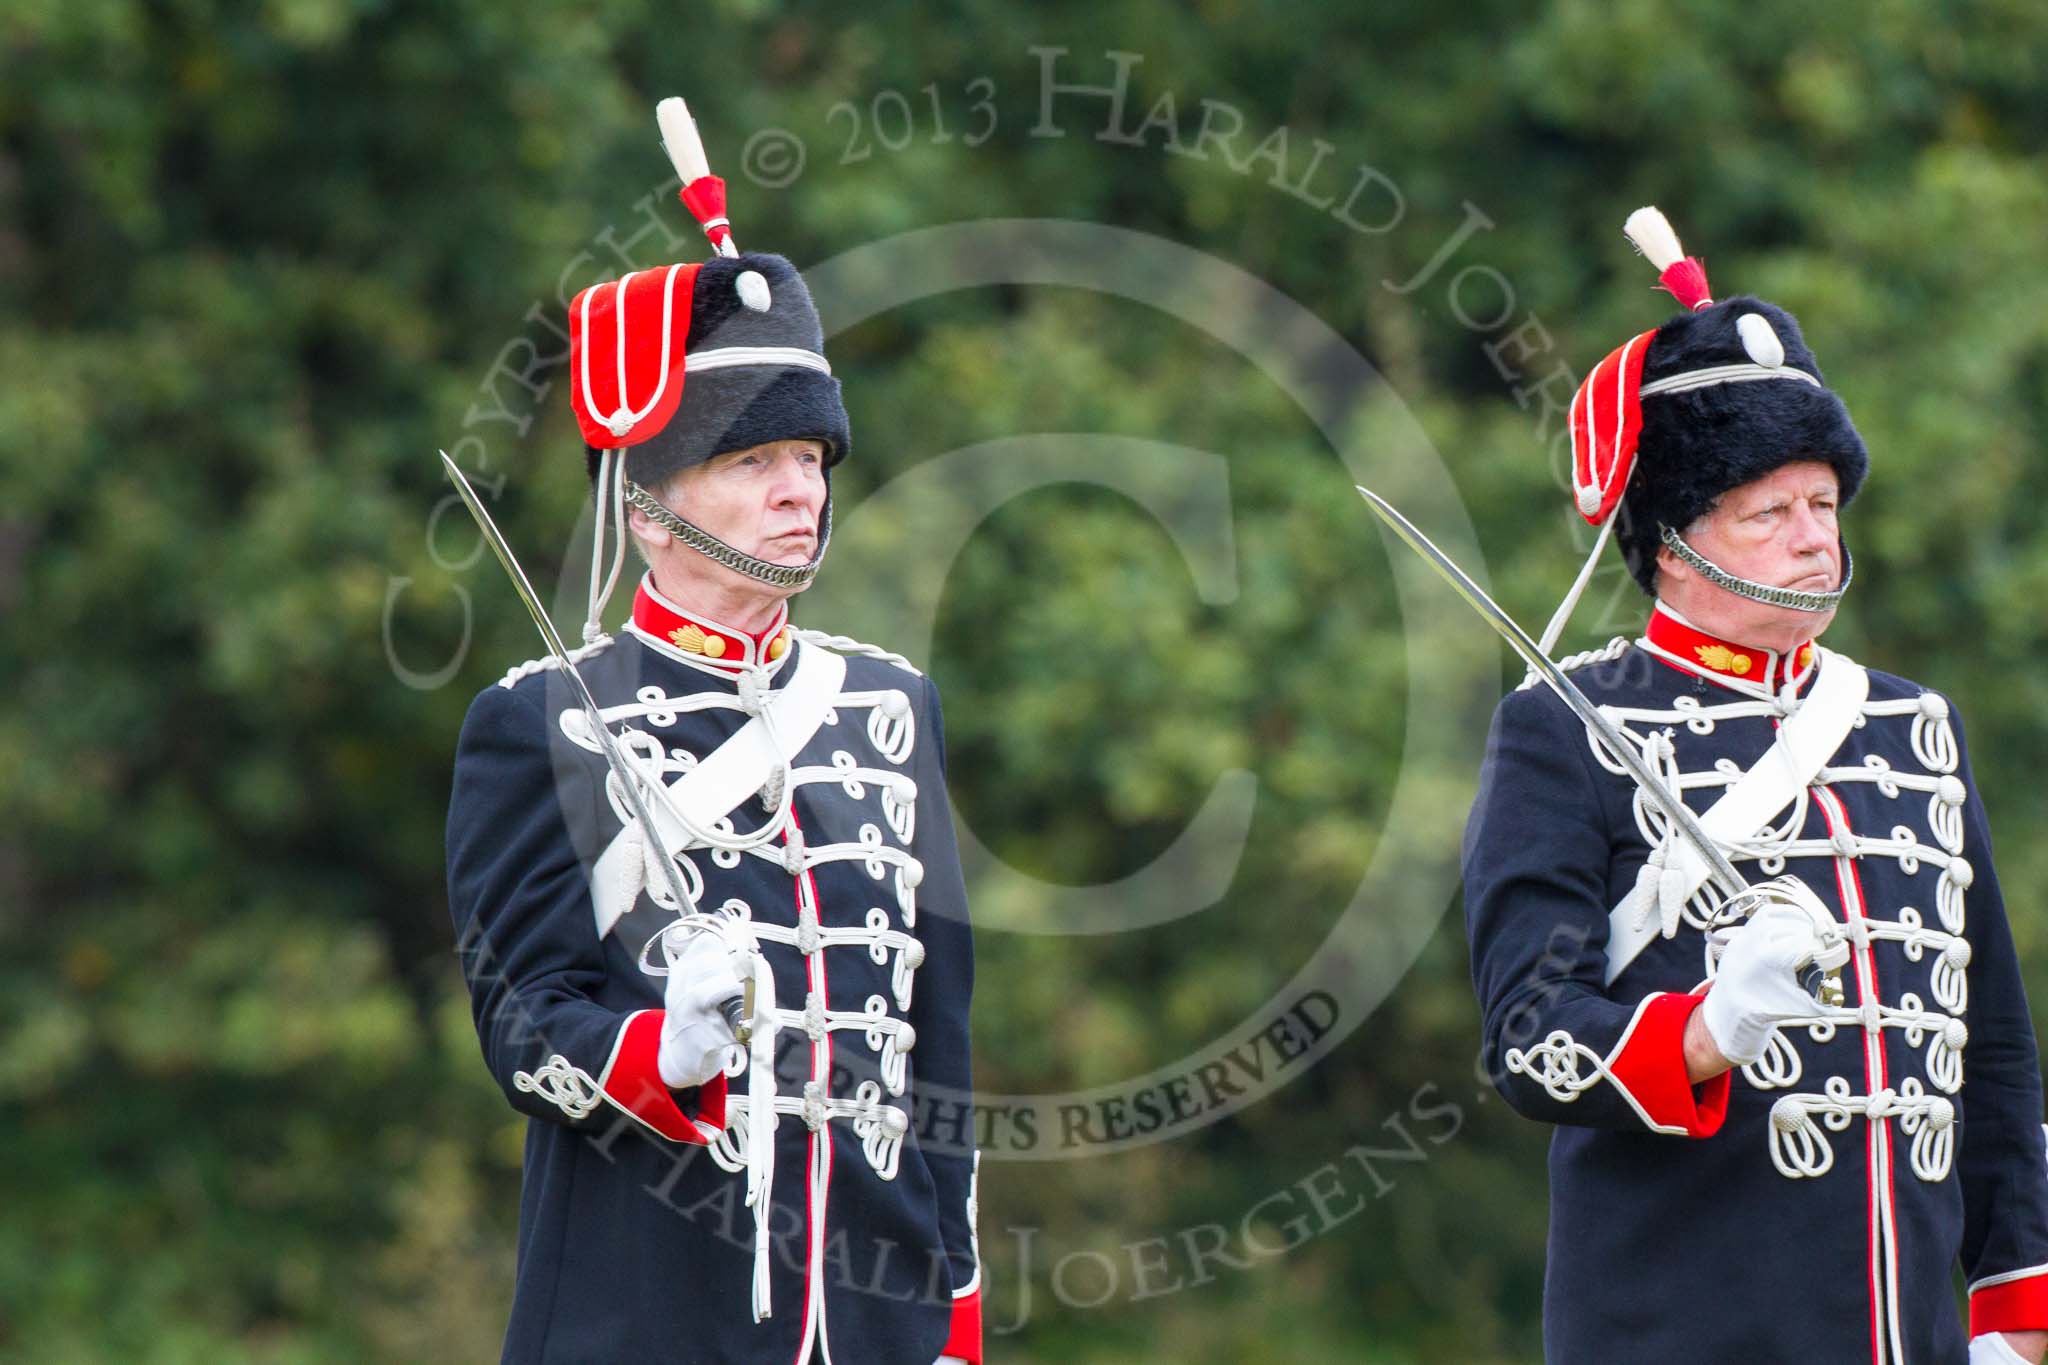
[[1670, 567], [650, 533]]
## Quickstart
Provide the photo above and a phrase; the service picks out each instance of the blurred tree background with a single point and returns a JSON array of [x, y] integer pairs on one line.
[[258, 259]]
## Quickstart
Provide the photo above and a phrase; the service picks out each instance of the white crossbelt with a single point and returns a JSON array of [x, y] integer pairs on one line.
[[1806, 740], [728, 775]]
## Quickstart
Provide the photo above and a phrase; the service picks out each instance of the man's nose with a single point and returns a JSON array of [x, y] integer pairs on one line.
[[794, 486], [1809, 533]]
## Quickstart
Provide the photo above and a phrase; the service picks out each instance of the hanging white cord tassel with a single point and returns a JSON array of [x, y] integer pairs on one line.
[[611, 503], [593, 629], [1571, 599], [618, 531], [761, 1127]]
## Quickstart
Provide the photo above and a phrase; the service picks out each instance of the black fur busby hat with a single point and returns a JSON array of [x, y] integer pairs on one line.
[[752, 369], [1721, 394], [673, 365], [1700, 440]]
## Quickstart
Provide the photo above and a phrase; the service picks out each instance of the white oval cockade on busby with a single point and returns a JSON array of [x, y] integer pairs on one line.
[[1676, 416], [671, 366]]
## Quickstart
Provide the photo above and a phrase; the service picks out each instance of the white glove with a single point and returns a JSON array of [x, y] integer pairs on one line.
[[695, 1038], [1757, 985], [1990, 1349]]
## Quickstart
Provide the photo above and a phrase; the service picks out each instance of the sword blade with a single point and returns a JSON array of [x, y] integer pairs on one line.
[[734, 1007], [495, 538], [1723, 871]]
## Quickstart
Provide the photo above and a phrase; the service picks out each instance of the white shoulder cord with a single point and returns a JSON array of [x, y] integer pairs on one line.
[[846, 644]]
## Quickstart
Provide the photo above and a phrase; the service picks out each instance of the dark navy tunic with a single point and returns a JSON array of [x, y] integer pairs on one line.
[[1814, 1207], [636, 1242]]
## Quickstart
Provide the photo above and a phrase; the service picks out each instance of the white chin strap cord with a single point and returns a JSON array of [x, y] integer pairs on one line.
[[610, 501], [1571, 599]]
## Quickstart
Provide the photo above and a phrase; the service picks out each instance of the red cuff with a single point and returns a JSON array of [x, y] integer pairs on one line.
[[1649, 1066], [964, 1340], [2011, 1306], [632, 1081]]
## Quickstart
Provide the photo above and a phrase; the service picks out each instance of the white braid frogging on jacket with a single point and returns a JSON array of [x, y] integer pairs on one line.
[[881, 848], [1801, 1122]]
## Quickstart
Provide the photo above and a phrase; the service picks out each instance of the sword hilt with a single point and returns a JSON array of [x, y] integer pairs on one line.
[[738, 1009], [1823, 984], [734, 1008]]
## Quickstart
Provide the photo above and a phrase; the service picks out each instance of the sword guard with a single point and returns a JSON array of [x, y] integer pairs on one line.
[[738, 1009], [1824, 985]]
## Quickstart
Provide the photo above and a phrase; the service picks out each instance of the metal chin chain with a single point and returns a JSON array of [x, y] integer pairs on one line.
[[739, 561], [1760, 592]]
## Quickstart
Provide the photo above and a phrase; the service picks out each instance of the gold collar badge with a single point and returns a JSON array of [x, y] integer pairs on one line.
[[693, 640], [1722, 659]]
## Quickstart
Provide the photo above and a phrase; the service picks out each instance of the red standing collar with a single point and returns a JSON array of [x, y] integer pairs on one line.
[[704, 639], [1683, 645]]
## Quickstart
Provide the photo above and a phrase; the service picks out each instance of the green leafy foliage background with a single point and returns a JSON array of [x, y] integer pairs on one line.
[[257, 260]]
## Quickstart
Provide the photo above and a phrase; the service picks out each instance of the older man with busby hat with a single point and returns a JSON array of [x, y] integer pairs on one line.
[[713, 921], [1752, 1162]]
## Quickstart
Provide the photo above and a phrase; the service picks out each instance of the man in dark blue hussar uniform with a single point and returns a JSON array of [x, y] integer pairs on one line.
[[1818, 1207], [799, 1196]]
